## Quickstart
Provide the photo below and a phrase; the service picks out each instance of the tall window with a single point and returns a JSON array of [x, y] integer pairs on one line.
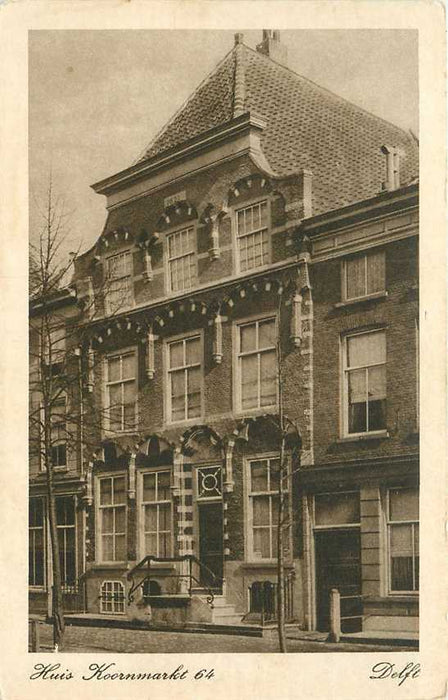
[[182, 260], [263, 507], [55, 347], [403, 536], [58, 433], [121, 388], [36, 572], [156, 504], [184, 378], [257, 364], [112, 518], [119, 292], [252, 236], [364, 274], [365, 382], [65, 519]]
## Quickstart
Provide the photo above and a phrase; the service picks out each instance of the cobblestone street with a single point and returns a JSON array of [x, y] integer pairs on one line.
[[94, 639]]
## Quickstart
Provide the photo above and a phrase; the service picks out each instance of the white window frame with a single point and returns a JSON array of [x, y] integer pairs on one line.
[[365, 254], [345, 370], [388, 525], [113, 601], [249, 495], [237, 237], [106, 402], [167, 383], [237, 393], [64, 529], [334, 526], [169, 260], [111, 280], [142, 504], [62, 441], [99, 508], [43, 528]]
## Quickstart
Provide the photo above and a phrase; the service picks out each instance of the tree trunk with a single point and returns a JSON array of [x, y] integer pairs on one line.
[[55, 582]]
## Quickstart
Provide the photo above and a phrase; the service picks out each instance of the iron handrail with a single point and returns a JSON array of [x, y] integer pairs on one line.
[[190, 558]]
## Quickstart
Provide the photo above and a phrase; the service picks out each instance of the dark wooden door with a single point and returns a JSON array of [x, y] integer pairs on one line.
[[338, 565], [211, 543]]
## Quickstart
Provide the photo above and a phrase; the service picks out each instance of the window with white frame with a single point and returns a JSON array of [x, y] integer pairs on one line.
[[256, 364], [156, 507], [121, 391], [112, 518], [181, 249], [65, 523], [112, 597], [55, 345], [364, 370], [403, 539], [252, 231], [363, 275], [184, 365], [119, 290], [58, 433], [263, 484], [36, 540], [336, 509]]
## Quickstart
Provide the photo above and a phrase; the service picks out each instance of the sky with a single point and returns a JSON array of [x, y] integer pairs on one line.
[[97, 98]]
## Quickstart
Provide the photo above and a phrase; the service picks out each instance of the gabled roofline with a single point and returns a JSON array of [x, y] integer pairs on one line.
[[186, 150]]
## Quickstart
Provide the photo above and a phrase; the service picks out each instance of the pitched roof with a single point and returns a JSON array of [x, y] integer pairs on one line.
[[307, 127]]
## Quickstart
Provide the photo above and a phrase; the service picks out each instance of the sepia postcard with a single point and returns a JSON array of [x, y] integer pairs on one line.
[[224, 356]]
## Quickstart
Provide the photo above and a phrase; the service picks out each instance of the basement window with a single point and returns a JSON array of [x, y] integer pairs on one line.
[[112, 597]]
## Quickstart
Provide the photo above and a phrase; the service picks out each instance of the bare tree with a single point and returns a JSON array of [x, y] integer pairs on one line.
[[58, 372]]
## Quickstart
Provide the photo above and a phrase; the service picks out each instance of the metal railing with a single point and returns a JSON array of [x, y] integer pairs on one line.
[[145, 566], [263, 600]]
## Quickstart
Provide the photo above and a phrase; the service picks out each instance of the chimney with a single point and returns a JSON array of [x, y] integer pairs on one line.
[[271, 46], [392, 168]]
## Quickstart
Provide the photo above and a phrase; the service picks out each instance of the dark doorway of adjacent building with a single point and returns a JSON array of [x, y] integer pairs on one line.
[[338, 565]]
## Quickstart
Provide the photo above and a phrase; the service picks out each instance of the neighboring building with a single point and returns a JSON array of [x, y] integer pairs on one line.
[[267, 208]]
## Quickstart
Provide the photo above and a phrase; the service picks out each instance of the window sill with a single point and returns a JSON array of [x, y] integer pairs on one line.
[[250, 412], [379, 435], [378, 296], [264, 564]]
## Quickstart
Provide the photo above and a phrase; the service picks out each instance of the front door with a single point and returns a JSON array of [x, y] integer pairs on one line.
[[211, 544], [338, 566]]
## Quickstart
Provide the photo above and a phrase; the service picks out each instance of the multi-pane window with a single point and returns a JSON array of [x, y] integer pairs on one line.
[[184, 378], [36, 572], [55, 346], [65, 521], [121, 388], [182, 260], [264, 477], [156, 504], [252, 236], [119, 292], [364, 367], [257, 364], [403, 538], [58, 433], [363, 275], [112, 518], [112, 597], [336, 509]]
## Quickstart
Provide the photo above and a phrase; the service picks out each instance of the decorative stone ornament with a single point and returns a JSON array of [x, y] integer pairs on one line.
[[217, 339], [150, 367], [90, 370], [296, 320]]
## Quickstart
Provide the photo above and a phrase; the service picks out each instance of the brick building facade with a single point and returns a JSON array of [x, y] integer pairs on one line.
[[268, 213]]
